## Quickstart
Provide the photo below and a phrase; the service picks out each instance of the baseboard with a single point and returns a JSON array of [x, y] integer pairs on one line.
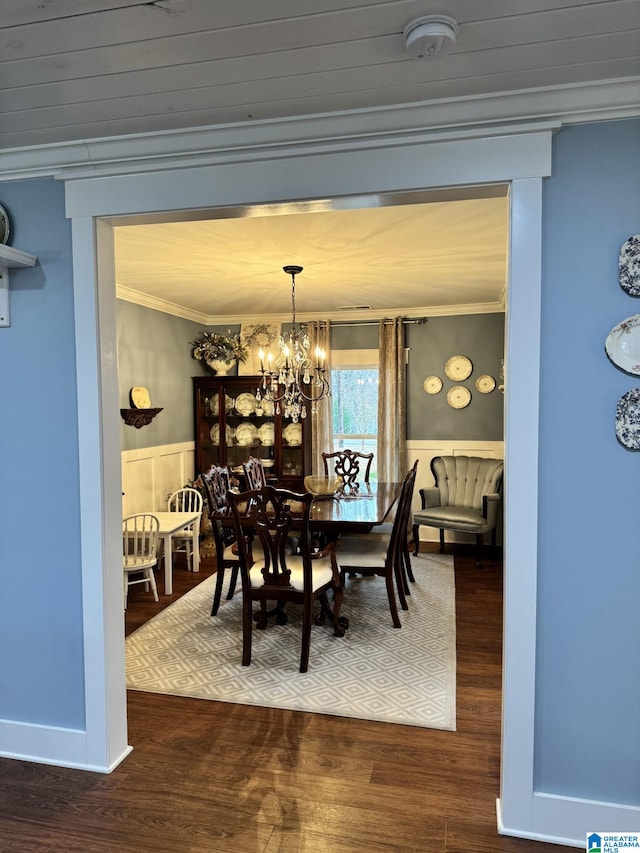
[[567, 820], [53, 745]]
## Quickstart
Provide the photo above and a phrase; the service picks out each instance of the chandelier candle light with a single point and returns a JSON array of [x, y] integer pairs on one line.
[[291, 378]]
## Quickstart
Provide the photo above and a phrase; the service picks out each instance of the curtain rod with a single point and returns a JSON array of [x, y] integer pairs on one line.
[[406, 322]]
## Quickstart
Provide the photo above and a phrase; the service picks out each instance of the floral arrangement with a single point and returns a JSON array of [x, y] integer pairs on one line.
[[212, 346]]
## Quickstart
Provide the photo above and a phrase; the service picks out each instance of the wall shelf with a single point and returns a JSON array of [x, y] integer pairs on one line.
[[10, 259], [138, 417]]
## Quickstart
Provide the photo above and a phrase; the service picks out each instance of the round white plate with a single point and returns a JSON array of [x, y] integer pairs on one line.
[[245, 404], [458, 397], [623, 345], [246, 433], [485, 384], [458, 367], [293, 435], [266, 434], [140, 398], [629, 266], [628, 420], [432, 384], [214, 432], [5, 226]]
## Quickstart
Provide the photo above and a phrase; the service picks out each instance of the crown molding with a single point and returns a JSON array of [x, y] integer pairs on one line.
[[128, 294], [469, 117]]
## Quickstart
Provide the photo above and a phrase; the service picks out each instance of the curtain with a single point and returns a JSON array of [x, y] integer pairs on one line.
[[321, 418], [392, 406]]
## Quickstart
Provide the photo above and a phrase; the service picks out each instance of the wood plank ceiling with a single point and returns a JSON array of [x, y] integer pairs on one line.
[[92, 69]]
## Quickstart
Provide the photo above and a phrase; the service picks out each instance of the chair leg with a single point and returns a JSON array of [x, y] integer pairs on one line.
[[247, 626], [442, 540], [152, 581], [389, 579], [415, 532], [401, 581], [232, 582], [218, 590], [307, 610], [479, 544]]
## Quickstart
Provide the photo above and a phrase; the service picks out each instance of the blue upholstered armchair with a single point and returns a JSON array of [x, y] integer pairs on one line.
[[466, 498]]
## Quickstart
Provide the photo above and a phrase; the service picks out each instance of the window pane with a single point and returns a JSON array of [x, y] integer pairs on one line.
[[354, 393]]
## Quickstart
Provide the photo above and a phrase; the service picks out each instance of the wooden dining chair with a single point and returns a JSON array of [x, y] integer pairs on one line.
[[348, 464], [140, 552], [188, 539], [268, 517], [216, 486], [382, 554], [254, 473]]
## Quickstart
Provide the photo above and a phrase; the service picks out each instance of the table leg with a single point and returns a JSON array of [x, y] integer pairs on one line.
[[168, 568]]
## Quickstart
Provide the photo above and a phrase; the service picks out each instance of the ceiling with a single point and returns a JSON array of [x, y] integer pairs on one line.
[[85, 69], [80, 72]]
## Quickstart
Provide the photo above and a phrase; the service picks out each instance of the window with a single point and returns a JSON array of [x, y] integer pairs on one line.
[[354, 395]]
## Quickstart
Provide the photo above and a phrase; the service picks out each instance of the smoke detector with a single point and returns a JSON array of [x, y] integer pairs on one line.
[[430, 36]]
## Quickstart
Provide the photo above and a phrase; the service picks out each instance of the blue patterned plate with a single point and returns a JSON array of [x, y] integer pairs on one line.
[[629, 266], [628, 420]]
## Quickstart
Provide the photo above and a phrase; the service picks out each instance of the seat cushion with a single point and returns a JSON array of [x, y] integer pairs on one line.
[[321, 572], [461, 518], [368, 551]]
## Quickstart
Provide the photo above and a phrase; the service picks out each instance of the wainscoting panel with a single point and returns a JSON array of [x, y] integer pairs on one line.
[[151, 474], [424, 451]]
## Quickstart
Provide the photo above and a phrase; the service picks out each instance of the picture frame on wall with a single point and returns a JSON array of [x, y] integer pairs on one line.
[[255, 336]]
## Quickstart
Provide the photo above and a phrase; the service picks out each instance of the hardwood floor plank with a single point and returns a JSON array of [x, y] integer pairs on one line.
[[215, 777]]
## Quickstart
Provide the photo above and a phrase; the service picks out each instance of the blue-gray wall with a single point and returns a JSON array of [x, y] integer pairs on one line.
[[154, 351], [41, 665], [588, 692], [588, 684]]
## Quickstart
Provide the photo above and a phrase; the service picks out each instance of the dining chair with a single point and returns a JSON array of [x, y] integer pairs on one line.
[[216, 486], [382, 554], [267, 517], [254, 473], [187, 539], [346, 464], [140, 539]]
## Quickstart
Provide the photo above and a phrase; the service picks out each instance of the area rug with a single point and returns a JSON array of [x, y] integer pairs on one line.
[[374, 672]]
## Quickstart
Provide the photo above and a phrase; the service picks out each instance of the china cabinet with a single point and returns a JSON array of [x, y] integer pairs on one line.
[[231, 425]]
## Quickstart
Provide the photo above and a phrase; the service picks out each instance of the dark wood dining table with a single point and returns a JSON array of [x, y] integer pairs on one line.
[[354, 512]]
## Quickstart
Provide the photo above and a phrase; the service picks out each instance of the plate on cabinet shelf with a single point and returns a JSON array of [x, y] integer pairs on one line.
[[245, 404], [628, 420], [623, 345], [458, 367], [214, 432], [246, 433], [293, 435], [629, 266], [214, 404], [458, 397], [266, 434]]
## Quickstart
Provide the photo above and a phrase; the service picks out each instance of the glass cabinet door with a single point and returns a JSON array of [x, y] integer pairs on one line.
[[249, 426]]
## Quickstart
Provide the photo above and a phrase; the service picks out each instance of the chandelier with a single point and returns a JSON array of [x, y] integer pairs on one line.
[[293, 377]]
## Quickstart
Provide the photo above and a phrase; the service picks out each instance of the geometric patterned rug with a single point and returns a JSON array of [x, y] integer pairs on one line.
[[374, 672]]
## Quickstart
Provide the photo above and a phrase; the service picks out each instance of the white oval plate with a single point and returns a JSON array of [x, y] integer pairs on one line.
[[293, 435], [485, 384], [245, 403], [623, 345], [432, 385], [458, 397], [628, 420], [246, 433], [214, 432], [629, 266], [266, 433]]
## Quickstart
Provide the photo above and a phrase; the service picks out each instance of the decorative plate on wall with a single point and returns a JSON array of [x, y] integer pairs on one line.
[[139, 398], [623, 345], [485, 384], [458, 397], [432, 384], [629, 266], [5, 226], [458, 367], [628, 420]]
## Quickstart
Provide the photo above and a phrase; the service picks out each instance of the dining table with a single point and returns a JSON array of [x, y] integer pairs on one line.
[[355, 511], [170, 524]]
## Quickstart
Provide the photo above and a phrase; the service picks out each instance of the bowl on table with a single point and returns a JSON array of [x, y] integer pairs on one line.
[[322, 486]]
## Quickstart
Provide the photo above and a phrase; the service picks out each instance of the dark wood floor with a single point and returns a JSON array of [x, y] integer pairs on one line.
[[207, 776]]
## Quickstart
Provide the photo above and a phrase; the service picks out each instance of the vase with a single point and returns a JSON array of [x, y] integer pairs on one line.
[[221, 367]]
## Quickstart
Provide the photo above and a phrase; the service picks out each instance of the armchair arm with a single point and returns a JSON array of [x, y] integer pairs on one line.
[[490, 507], [430, 497]]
